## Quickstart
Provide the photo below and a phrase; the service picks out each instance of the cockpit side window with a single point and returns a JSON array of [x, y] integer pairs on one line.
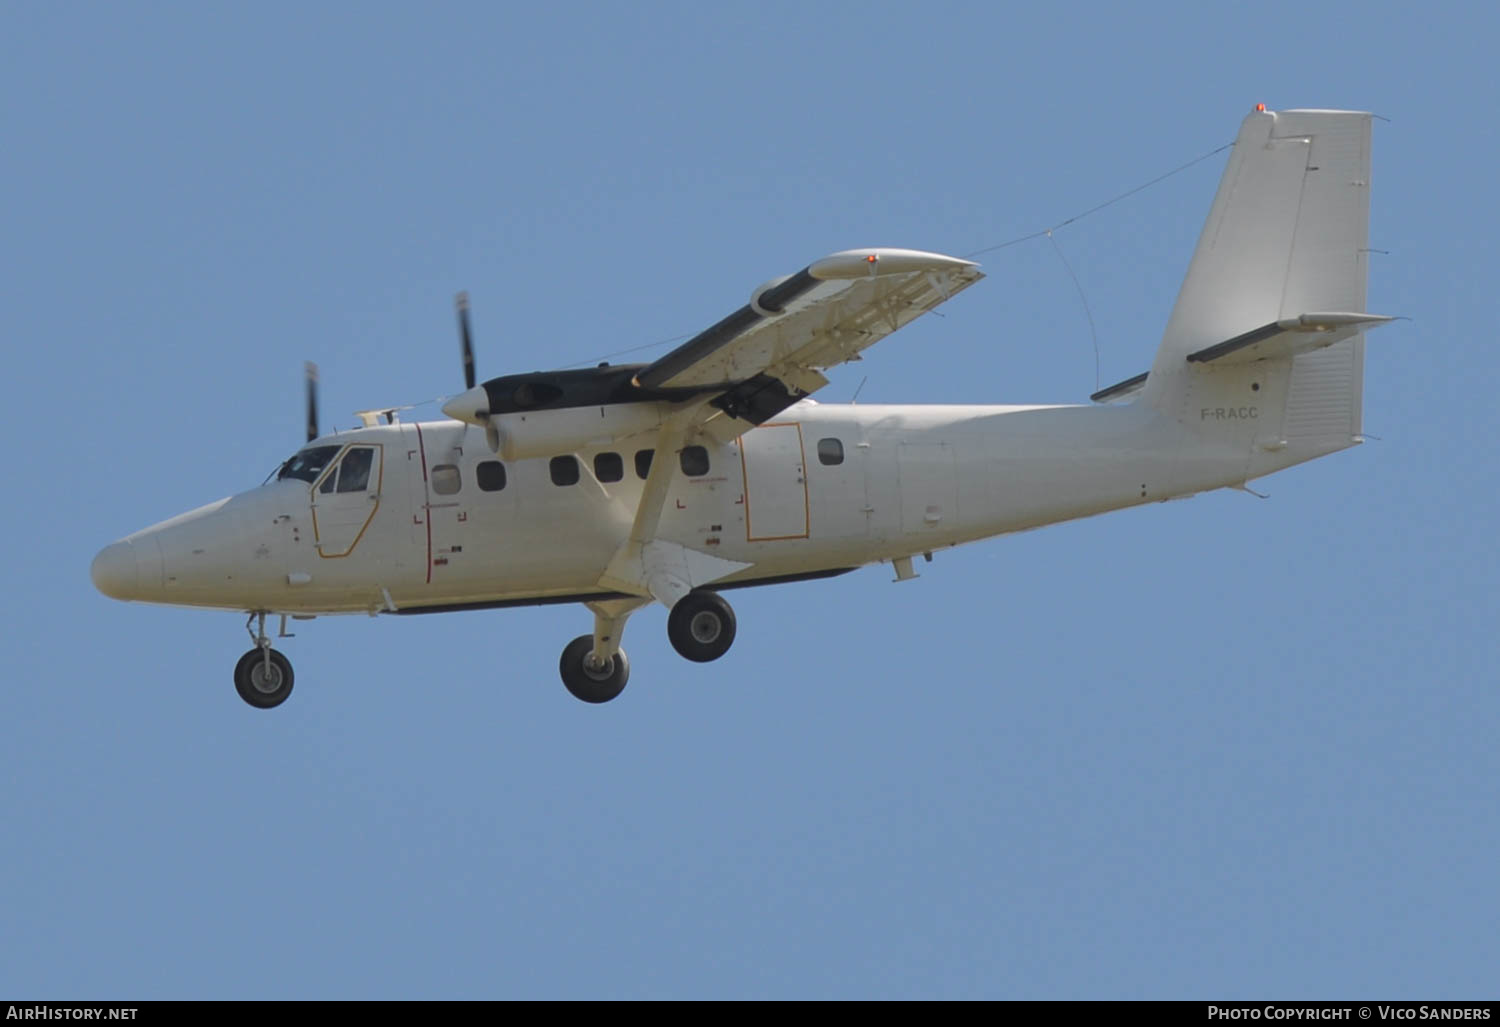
[[354, 470], [308, 464]]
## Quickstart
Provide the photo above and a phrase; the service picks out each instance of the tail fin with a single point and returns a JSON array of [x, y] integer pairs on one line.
[[1287, 237]]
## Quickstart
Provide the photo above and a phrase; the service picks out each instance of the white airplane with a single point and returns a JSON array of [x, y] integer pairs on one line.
[[711, 469]]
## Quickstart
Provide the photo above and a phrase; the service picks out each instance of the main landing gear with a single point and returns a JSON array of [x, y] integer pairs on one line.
[[263, 677], [591, 677], [701, 626], [594, 667]]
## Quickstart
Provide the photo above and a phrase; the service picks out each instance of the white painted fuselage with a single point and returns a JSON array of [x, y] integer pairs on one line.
[[823, 488]]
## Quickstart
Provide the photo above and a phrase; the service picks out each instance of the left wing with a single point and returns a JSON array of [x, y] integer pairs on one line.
[[771, 352]]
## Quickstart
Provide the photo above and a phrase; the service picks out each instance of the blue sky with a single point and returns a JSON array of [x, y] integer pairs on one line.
[[1220, 748]]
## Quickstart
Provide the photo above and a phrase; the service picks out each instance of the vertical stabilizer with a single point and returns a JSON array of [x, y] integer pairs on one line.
[[1287, 235]]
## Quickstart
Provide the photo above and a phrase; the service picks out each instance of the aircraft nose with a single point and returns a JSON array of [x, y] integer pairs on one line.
[[116, 572]]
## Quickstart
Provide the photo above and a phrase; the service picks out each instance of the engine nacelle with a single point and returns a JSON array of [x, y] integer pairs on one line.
[[545, 433]]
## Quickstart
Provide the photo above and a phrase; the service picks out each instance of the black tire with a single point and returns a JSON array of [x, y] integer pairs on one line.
[[258, 688], [591, 685], [701, 626]]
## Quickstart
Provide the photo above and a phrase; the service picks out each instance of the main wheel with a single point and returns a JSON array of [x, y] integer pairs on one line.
[[701, 626], [591, 683], [262, 686]]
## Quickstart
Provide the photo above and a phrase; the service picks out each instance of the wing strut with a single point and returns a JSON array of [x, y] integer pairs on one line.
[[645, 565]]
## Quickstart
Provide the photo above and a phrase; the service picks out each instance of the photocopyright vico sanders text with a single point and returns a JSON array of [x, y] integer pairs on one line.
[[1288, 1011]]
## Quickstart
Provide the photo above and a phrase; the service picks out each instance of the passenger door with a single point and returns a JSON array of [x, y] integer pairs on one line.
[[775, 483]]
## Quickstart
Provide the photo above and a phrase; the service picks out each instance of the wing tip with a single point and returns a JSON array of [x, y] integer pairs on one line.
[[883, 260]]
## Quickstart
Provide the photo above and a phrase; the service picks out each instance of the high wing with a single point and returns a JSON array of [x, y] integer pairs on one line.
[[729, 378], [757, 362], [771, 352], [718, 385]]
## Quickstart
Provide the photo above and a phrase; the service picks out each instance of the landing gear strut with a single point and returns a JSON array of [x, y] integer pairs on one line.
[[263, 677], [594, 668]]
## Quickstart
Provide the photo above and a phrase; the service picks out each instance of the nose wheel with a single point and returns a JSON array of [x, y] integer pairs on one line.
[[263, 677]]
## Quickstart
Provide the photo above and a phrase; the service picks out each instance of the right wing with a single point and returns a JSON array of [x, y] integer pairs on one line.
[[757, 362], [770, 353]]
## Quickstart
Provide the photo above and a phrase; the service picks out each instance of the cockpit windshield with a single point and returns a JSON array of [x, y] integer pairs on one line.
[[307, 464]]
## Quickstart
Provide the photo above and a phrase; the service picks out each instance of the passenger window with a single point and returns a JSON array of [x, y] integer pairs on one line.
[[446, 480], [354, 470], [643, 463], [490, 475], [564, 470], [830, 451], [694, 461], [609, 467]]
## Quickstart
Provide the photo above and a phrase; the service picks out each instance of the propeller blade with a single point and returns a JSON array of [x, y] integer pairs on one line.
[[312, 401], [462, 302]]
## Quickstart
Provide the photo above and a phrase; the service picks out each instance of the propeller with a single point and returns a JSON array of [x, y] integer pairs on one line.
[[473, 405], [462, 302], [312, 400]]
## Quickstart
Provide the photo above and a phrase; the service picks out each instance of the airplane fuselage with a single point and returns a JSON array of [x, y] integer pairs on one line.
[[441, 523]]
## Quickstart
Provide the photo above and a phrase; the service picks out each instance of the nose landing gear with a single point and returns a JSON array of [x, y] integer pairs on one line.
[[263, 677]]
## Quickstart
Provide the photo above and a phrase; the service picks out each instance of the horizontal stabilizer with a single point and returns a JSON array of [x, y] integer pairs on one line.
[[1285, 338], [1288, 337], [1121, 390]]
